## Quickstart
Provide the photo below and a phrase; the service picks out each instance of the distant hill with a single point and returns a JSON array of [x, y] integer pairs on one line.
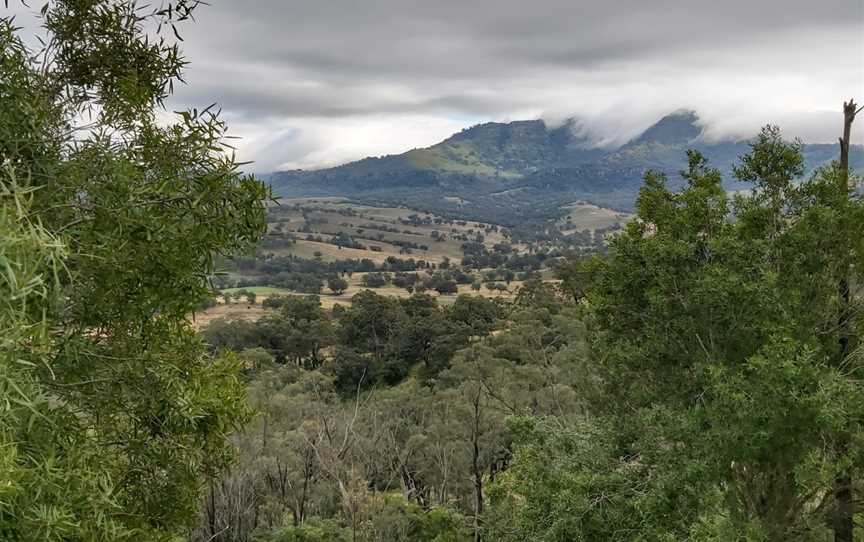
[[524, 170]]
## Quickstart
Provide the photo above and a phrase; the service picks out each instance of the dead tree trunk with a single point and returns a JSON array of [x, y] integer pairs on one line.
[[476, 467], [844, 513]]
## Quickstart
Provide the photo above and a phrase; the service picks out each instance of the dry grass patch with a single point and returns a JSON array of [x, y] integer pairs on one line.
[[240, 311], [585, 216]]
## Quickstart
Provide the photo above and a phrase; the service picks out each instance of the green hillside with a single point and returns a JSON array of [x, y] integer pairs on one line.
[[526, 170]]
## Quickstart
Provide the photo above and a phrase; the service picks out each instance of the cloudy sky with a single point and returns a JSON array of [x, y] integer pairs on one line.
[[313, 83]]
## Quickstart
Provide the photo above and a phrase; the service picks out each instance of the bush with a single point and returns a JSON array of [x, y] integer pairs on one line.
[[274, 301], [394, 519], [312, 530], [376, 280]]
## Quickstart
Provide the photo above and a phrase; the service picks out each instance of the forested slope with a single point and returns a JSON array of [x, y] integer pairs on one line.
[[524, 170]]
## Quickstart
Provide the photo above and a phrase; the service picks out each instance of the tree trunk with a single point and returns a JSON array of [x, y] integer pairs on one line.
[[211, 510], [844, 513], [478, 471]]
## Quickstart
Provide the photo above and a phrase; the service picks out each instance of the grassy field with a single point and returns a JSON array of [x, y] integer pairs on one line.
[[240, 309], [585, 216], [326, 217], [260, 290], [234, 311]]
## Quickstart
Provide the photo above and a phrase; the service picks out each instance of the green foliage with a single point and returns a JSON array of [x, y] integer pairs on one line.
[[721, 394], [397, 462], [337, 285], [313, 530], [395, 520], [256, 358], [297, 333], [376, 280], [113, 410]]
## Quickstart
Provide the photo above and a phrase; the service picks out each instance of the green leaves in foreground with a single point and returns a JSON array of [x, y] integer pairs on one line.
[[111, 411]]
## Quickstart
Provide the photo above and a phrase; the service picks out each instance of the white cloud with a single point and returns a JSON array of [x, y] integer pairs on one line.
[[313, 143], [313, 83]]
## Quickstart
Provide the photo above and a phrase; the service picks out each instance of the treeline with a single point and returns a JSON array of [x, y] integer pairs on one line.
[[309, 276], [305, 275], [478, 256]]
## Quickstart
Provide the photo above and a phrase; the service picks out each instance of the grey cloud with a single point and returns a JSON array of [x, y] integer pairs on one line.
[[309, 82], [617, 64]]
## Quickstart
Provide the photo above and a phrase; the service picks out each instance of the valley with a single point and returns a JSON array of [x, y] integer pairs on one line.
[[311, 240], [425, 305]]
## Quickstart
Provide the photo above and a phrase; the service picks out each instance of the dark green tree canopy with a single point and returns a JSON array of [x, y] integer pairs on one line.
[[725, 407]]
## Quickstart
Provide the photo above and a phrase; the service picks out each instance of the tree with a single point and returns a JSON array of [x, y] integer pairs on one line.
[[300, 331], [477, 313], [375, 280], [844, 518], [256, 358], [233, 334], [337, 285], [445, 286], [251, 297], [109, 233], [274, 301], [517, 371], [714, 327]]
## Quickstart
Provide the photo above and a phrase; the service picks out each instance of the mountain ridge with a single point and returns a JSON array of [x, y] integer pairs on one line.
[[526, 169]]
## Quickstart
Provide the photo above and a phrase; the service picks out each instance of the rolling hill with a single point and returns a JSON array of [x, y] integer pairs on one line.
[[524, 170]]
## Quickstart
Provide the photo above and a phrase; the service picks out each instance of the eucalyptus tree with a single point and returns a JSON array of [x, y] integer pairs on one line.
[[109, 226], [728, 409]]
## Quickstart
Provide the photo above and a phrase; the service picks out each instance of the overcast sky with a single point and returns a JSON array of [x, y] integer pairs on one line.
[[313, 83]]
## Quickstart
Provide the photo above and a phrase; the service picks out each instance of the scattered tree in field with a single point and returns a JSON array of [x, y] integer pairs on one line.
[[337, 285], [375, 280]]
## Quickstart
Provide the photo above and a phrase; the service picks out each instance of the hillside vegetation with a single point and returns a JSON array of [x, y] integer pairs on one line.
[[525, 171]]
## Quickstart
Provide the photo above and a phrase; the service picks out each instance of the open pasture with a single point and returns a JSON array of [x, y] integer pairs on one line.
[[392, 231]]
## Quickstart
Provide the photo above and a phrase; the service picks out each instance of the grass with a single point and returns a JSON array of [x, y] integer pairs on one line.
[[456, 157], [260, 290], [240, 309], [325, 220], [585, 216]]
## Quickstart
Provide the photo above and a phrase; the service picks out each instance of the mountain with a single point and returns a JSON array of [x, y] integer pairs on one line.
[[526, 170], [679, 127]]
